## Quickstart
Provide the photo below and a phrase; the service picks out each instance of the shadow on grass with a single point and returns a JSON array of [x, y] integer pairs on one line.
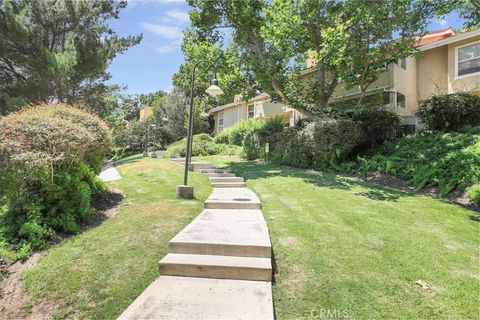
[[256, 170], [129, 159]]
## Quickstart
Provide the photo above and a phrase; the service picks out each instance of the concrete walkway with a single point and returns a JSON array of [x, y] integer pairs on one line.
[[219, 266], [109, 172]]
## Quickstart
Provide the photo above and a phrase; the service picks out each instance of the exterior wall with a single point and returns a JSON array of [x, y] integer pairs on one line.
[[462, 83], [384, 80], [263, 109], [405, 83], [231, 116], [432, 73], [146, 112]]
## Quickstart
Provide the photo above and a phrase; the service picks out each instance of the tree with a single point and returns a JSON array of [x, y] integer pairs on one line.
[[58, 50], [195, 47], [352, 41]]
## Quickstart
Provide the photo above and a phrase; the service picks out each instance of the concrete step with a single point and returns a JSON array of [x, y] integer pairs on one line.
[[226, 179], [225, 232], [196, 166], [202, 298], [179, 160], [219, 174], [227, 184], [218, 267], [232, 198], [213, 171]]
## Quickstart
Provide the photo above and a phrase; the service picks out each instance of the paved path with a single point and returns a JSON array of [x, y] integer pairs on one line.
[[109, 172], [219, 266]]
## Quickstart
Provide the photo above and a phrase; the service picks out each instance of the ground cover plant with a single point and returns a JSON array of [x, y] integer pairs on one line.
[[448, 160], [49, 157], [368, 251], [99, 272]]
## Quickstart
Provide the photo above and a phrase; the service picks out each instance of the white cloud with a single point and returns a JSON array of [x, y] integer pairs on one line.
[[167, 49], [170, 32], [178, 16], [443, 22]]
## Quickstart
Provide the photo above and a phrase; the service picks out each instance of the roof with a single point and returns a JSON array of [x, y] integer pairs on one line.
[[434, 36], [450, 39], [234, 104]]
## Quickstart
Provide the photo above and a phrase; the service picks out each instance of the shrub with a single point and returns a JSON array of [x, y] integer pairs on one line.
[[447, 160], [49, 155], [236, 134], [451, 111], [377, 126], [333, 141], [203, 145], [473, 193], [264, 131], [320, 145]]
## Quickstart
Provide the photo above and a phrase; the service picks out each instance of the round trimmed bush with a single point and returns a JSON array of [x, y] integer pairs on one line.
[[451, 111], [48, 160]]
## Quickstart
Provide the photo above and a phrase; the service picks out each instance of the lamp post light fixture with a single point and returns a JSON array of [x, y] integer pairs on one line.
[[185, 191]]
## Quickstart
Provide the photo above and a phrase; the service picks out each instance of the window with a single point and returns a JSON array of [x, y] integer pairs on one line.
[[251, 111], [401, 100], [402, 63], [220, 119], [467, 59]]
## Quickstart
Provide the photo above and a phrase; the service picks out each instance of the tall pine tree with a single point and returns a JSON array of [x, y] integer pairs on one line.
[[58, 50]]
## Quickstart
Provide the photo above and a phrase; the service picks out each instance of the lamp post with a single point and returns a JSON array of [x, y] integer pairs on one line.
[[185, 191]]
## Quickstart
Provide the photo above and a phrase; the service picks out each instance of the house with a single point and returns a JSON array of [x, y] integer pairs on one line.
[[259, 107], [145, 112], [448, 62]]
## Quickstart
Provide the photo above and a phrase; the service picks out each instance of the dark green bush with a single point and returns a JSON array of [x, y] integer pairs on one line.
[[263, 132], [451, 111], [49, 155], [320, 145], [377, 126]]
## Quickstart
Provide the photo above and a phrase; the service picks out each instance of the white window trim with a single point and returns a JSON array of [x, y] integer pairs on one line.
[[248, 105], [456, 62], [223, 118]]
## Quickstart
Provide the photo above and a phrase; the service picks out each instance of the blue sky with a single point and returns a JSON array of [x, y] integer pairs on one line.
[[149, 66]]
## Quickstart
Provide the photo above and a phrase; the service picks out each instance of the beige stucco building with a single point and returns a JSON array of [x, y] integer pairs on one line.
[[446, 62], [260, 107]]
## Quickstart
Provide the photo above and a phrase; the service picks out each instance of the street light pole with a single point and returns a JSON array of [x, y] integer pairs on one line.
[[186, 191]]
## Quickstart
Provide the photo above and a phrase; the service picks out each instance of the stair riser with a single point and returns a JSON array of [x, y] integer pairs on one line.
[[213, 171], [231, 205], [220, 174], [228, 185], [218, 272], [226, 179], [220, 250]]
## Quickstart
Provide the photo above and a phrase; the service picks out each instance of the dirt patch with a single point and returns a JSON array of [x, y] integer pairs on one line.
[[289, 242], [106, 204], [295, 279], [456, 196], [14, 302]]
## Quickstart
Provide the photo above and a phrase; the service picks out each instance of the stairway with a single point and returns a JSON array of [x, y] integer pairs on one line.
[[219, 266]]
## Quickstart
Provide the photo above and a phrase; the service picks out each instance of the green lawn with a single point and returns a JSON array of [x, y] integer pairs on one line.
[[358, 249], [98, 273], [341, 247]]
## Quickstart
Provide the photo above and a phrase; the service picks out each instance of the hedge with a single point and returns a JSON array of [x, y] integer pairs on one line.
[[49, 157]]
